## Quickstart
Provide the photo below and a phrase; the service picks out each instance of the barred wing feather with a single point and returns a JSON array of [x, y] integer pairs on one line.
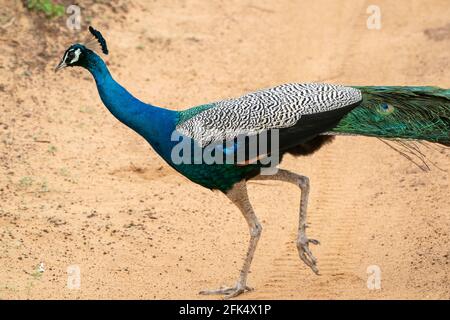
[[275, 108]]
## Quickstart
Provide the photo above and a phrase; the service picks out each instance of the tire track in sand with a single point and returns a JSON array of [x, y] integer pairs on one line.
[[353, 173], [336, 222], [332, 215]]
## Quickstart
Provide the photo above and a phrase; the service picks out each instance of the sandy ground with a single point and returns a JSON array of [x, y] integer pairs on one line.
[[78, 188]]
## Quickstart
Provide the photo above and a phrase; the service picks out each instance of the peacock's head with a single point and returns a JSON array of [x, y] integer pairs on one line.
[[76, 54]]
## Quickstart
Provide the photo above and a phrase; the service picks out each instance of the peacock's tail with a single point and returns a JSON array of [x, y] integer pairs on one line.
[[413, 113]]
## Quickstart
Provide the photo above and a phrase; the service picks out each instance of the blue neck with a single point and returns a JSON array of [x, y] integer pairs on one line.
[[153, 123]]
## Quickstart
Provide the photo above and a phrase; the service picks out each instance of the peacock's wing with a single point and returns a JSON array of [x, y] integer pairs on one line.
[[302, 109]]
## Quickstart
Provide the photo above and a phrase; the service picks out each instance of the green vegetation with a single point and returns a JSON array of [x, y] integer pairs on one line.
[[52, 149], [64, 172], [87, 109], [44, 187], [48, 7], [25, 182], [38, 271]]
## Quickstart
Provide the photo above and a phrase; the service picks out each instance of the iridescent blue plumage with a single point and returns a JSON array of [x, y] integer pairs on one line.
[[153, 123], [304, 115], [156, 125]]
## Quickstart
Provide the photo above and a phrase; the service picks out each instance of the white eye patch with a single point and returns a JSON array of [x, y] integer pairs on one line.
[[73, 56], [77, 56]]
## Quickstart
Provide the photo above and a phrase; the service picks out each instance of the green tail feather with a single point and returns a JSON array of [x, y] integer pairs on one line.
[[417, 113]]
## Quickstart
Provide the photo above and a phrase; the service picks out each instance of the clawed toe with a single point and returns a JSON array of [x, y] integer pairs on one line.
[[228, 292], [305, 253]]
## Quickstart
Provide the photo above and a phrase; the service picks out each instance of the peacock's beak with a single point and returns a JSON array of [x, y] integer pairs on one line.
[[61, 65]]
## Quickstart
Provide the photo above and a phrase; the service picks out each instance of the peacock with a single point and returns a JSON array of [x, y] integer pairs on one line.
[[298, 118]]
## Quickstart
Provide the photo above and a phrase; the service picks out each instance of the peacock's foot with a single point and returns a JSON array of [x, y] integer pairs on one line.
[[306, 254], [229, 292]]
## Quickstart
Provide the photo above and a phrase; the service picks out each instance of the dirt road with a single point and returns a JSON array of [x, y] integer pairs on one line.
[[77, 188]]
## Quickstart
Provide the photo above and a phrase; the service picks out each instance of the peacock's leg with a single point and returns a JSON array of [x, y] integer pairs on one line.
[[238, 195], [302, 240]]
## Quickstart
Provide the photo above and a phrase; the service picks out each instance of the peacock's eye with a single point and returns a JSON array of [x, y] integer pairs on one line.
[[386, 108], [70, 56]]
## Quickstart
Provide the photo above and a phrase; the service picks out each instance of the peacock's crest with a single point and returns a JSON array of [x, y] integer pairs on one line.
[[98, 43]]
